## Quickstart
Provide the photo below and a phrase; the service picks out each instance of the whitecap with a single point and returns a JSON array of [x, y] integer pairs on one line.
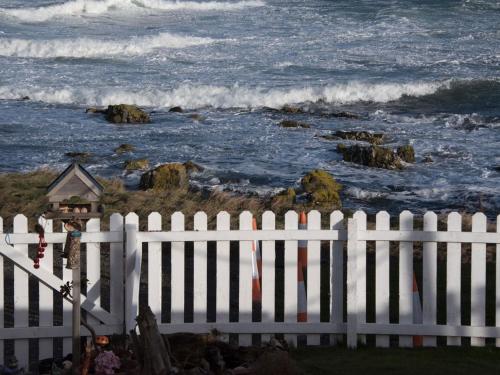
[[95, 7], [90, 48], [199, 96]]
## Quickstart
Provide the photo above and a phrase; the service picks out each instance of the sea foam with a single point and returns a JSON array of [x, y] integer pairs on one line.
[[95, 7], [199, 96], [89, 47]]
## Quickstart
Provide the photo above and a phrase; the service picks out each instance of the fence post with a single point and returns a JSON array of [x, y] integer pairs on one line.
[[352, 300], [133, 270]]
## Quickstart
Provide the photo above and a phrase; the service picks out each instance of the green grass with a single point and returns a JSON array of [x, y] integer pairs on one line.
[[372, 361]]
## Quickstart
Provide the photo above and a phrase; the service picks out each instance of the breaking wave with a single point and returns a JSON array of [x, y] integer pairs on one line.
[[191, 96], [81, 7], [88, 47]]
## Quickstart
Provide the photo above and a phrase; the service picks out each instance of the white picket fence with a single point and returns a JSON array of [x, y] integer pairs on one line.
[[345, 237]]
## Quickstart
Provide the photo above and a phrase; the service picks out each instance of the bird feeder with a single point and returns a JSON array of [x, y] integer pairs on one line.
[[74, 195], [74, 198]]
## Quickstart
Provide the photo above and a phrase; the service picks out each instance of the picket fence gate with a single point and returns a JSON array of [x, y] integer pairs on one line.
[[346, 269]]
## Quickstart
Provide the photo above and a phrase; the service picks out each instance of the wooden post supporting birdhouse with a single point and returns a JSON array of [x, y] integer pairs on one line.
[[74, 197]]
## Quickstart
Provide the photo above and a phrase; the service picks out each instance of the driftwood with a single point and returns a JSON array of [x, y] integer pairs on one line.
[[155, 357]]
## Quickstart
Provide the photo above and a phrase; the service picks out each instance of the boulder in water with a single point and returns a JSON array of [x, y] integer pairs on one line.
[[291, 109], [96, 110], [126, 114], [371, 156], [344, 114], [322, 189], [294, 124], [176, 109], [171, 176], [196, 117]]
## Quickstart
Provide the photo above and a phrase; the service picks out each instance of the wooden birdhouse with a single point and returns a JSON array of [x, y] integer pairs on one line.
[[74, 194]]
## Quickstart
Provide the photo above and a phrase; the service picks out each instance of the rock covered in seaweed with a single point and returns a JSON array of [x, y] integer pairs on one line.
[[321, 188], [125, 113], [377, 156], [169, 176]]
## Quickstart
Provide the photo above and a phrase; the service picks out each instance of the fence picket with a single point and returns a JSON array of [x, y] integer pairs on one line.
[[336, 275], [291, 261], [93, 269], [361, 220], [497, 282], [222, 268], [200, 271], [429, 278], [21, 295], [382, 259], [313, 277], [154, 267], [132, 270], [406, 278], [116, 269], [245, 279], [268, 273], [2, 309], [478, 279], [177, 267], [46, 296], [453, 277]]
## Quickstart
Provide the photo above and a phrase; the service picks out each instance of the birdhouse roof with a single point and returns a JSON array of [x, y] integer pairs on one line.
[[75, 169]]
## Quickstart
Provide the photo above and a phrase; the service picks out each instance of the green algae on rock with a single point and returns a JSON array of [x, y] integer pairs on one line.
[[126, 113], [169, 176], [321, 188]]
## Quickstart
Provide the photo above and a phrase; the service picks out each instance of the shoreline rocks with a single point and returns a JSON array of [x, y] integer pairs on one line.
[[123, 148], [122, 114], [169, 176], [377, 156]]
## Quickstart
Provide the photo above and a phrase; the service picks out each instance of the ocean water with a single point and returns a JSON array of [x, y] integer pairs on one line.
[[426, 73]]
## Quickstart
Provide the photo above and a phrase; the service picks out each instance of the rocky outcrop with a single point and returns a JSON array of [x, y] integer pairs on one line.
[[321, 188], [345, 114], [171, 176], [137, 164], [354, 135], [294, 124], [377, 156], [123, 148], [406, 153], [126, 114]]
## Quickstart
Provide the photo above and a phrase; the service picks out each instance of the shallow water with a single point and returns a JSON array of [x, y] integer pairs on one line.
[[425, 73]]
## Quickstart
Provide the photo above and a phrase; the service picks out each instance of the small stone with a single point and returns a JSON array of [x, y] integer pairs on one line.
[[294, 124], [123, 148], [427, 159]]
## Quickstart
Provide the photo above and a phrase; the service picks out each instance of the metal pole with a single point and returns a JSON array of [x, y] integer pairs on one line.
[[76, 320]]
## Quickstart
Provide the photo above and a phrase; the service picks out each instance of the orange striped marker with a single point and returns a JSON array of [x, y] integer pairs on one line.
[[256, 291], [417, 313], [302, 272]]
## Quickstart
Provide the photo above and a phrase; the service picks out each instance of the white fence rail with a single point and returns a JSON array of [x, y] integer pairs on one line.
[[199, 280]]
